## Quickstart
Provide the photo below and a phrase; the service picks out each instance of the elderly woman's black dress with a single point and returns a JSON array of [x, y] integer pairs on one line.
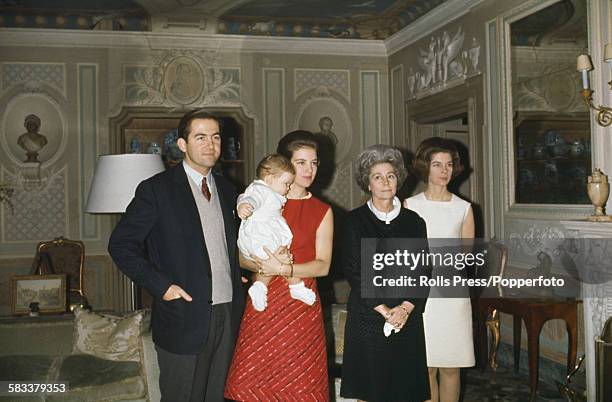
[[374, 367]]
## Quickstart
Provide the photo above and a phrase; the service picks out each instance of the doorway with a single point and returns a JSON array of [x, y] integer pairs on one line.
[[455, 114]]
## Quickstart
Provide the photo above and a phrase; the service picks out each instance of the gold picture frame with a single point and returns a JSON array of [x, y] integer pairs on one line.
[[49, 291]]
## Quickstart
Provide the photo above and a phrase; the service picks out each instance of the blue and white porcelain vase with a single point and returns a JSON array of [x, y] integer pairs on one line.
[[154, 148]]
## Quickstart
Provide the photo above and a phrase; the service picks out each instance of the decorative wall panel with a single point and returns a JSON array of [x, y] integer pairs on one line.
[[397, 104], [446, 59], [32, 75], [181, 78], [273, 106], [336, 80], [42, 210], [88, 141], [370, 107], [546, 80]]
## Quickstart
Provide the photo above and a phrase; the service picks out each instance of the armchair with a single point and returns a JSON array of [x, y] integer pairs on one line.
[[62, 256]]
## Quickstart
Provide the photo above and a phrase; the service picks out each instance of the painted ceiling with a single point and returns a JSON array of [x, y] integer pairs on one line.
[[119, 15], [356, 19], [360, 19]]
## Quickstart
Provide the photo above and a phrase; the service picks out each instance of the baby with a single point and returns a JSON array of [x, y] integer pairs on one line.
[[266, 227]]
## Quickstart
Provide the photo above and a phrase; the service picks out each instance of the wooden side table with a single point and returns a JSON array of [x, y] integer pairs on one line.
[[535, 313]]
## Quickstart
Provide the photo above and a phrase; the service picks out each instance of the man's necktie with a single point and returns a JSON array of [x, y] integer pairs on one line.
[[205, 189]]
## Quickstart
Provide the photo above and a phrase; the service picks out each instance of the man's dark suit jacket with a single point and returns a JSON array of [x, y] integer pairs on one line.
[[159, 242]]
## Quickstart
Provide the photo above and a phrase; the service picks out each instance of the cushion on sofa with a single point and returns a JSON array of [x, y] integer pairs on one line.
[[95, 379], [25, 367], [86, 370], [44, 335], [108, 336]]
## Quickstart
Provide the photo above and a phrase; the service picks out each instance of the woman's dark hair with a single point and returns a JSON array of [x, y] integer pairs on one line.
[[295, 140], [429, 147], [185, 124]]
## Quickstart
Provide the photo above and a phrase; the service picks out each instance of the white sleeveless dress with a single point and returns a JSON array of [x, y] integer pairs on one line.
[[447, 322]]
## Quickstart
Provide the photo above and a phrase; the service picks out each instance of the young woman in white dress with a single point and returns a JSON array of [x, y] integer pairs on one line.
[[447, 321]]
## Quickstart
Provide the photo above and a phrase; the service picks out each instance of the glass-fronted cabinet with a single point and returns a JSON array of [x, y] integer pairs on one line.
[[153, 132], [553, 158], [551, 135]]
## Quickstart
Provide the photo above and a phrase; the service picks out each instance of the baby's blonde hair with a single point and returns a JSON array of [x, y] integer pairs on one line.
[[274, 164]]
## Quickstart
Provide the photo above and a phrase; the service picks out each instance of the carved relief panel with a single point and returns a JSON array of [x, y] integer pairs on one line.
[[181, 78]]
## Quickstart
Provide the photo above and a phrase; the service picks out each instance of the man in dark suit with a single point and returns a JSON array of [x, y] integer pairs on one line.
[[177, 239]]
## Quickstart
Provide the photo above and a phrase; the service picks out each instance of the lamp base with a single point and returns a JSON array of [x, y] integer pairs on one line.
[[600, 218]]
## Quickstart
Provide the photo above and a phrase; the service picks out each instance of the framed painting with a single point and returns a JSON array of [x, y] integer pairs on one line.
[[43, 293]]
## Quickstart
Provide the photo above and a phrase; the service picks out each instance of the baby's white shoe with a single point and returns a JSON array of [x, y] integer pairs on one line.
[[299, 291], [259, 295]]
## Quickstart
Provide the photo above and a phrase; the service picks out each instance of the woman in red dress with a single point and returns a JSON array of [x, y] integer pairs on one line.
[[280, 353]]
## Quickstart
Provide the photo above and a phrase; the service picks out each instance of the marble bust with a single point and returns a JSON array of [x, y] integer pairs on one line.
[[325, 125], [32, 141]]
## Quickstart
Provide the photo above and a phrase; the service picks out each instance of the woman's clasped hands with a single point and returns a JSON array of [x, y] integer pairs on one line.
[[396, 317]]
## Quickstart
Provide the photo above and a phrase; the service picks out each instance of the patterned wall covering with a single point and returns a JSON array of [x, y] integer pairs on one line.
[[340, 191], [336, 80], [33, 75], [42, 210], [40, 190]]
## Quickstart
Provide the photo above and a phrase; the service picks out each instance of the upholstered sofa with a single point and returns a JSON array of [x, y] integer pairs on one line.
[[101, 357], [81, 352]]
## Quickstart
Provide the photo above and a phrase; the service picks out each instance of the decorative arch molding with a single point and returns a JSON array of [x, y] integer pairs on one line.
[[44, 104], [308, 107]]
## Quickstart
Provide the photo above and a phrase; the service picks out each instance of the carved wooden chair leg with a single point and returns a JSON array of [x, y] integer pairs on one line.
[[493, 325]]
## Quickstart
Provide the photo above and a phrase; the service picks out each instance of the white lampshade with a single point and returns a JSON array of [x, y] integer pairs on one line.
[[584, 63], [608, 53], [116, 178]]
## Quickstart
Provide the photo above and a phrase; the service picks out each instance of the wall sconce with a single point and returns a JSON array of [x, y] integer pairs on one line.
[[584, 65]]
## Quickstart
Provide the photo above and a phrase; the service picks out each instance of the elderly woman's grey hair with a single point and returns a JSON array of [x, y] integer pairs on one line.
[[374, 155]]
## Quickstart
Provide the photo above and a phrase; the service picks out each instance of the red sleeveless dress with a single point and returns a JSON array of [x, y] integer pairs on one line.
[[280, 353]]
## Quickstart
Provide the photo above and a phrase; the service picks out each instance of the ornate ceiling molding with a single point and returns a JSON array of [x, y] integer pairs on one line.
[[222, 43]]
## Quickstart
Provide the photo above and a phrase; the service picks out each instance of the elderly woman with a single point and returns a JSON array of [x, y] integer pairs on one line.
[[379, 364]]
